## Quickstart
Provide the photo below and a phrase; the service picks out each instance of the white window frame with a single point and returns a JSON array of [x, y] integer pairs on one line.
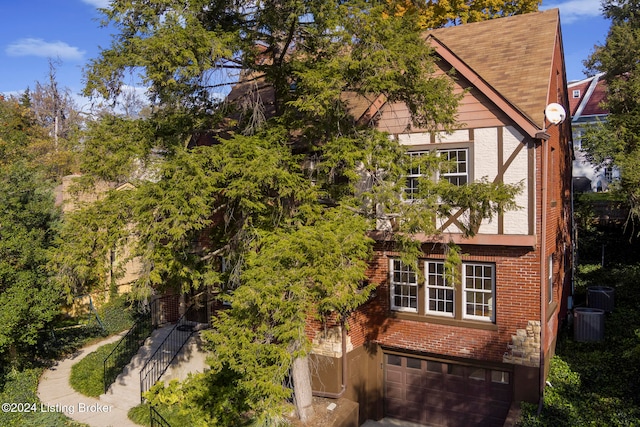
[[455, 175], [402, 285], [441, 287], [410, 192], [576, 93], [414, 173], [490, 302]]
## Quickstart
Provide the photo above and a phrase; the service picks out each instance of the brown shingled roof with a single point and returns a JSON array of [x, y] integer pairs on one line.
[[513, 55]]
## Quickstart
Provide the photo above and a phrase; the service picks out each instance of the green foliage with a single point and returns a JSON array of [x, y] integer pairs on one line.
[[87, 376], [289, 185], [22, 387], [117, 315], [203, 399], [597, 383], [115, 148], [28, 299], [85, 241], [618, 138], [434, 14], [313, 268], [569, 401], [140, 414]]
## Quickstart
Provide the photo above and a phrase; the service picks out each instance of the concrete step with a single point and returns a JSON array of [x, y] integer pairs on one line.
[[125, 391]]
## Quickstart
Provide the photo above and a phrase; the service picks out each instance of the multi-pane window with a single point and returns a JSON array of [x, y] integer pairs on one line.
[[458, 168], [404, 287], [473, 299], [478, 283], [440, 294], [413, 175], [608, 174]]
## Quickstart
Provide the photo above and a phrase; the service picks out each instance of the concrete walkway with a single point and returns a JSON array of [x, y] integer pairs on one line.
[[111, 409]]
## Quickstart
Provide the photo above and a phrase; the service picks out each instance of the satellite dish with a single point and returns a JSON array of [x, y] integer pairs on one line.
[[555, 113]]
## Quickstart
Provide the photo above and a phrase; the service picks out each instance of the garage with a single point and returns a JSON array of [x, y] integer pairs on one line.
[[437, 393]]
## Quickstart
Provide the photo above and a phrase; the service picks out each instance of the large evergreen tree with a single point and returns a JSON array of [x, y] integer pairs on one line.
[[29, 300], [288, 183], [619, 138]]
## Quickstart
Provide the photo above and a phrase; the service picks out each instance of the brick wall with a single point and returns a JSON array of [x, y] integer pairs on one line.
[[517, 298]]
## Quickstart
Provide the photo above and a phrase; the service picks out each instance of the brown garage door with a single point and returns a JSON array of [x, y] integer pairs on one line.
[[445, 394]]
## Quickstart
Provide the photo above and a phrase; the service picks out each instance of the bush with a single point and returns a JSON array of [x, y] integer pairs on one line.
[[140, 415], [117, 315]]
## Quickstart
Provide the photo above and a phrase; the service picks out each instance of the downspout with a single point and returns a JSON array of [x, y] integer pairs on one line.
[[543, 277], [343, 386], [556, 114], [574, 235]]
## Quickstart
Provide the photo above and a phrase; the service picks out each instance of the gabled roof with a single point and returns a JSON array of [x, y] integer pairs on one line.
[[513, 55], [592, 93], [509, 59]]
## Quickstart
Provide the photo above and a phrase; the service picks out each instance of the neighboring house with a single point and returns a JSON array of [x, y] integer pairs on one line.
[[460, 354], [585, 100], [69, 199]]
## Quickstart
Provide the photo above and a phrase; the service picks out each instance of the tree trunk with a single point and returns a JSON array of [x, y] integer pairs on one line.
[[302, 388]]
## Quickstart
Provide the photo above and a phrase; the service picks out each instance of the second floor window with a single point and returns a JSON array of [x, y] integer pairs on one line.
[[456, 170], [608, 173], [413, 175]]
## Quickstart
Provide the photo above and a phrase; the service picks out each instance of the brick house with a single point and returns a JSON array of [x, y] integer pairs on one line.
[[424, 351]]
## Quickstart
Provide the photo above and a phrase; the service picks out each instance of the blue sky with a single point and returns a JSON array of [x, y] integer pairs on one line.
[[32, 31]]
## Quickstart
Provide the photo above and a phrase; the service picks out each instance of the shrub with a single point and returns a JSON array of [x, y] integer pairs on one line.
[[117, 315]]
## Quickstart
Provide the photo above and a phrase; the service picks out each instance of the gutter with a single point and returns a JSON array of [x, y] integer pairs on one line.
[[345, 370]]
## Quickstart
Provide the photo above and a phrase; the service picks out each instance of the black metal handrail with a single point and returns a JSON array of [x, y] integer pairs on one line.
[[157, 419], [166, 352], [126, 348]]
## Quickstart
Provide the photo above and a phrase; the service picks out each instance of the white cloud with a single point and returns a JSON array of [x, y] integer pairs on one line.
[[39, 47], [573, 10], [98, 3]]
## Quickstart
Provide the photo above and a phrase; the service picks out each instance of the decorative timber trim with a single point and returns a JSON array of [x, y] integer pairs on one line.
[[463, 69]]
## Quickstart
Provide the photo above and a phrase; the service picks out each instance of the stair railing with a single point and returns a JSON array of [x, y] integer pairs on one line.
[[127, 347], [157, 419], [166, 352]]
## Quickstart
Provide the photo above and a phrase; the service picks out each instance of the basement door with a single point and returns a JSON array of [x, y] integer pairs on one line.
[[436, 393]]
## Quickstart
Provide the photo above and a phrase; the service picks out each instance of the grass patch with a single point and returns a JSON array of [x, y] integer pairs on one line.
[[22, 387], [87, 376]]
